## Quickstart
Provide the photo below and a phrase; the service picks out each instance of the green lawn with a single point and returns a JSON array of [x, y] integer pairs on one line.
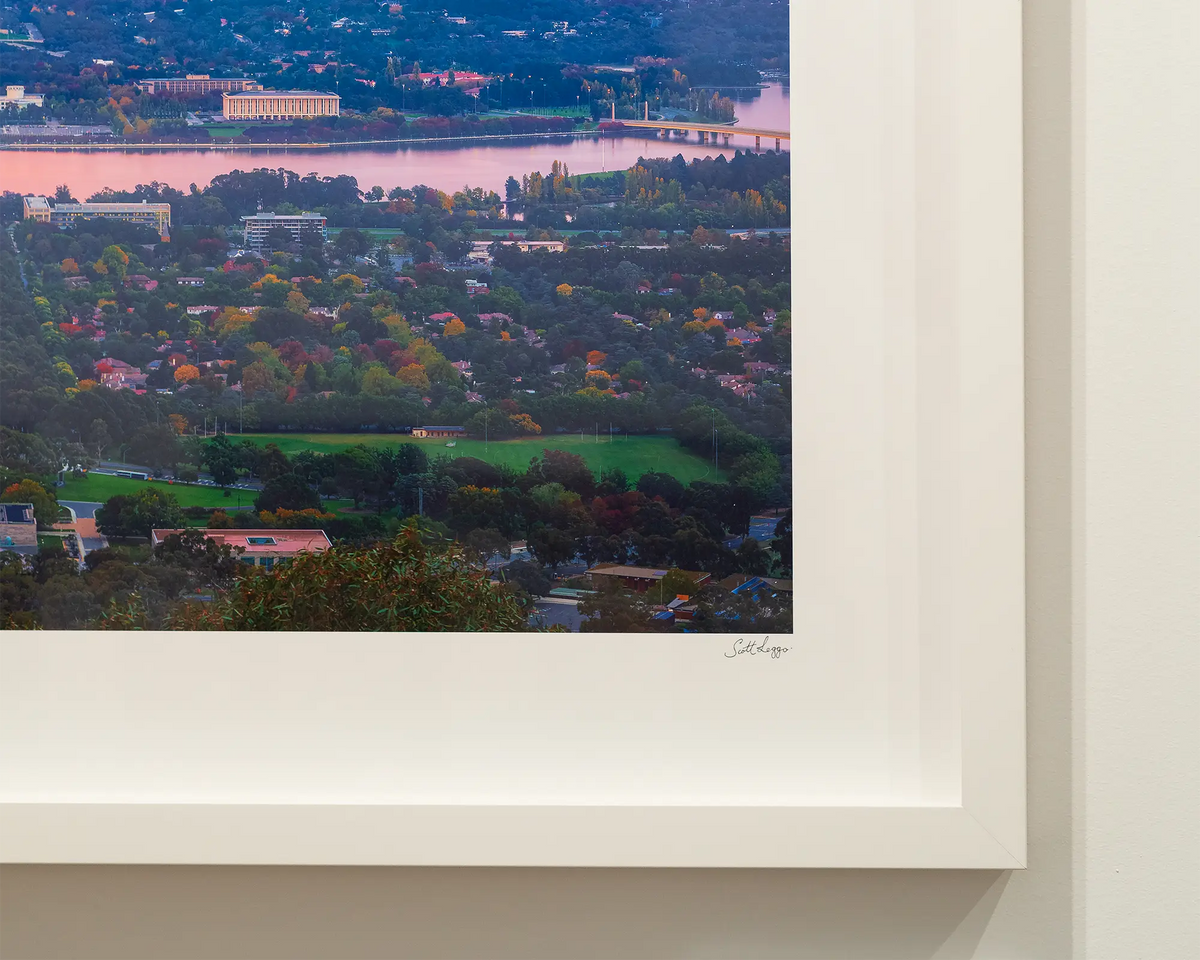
[[97, 488], [225, 130], [634, 455]]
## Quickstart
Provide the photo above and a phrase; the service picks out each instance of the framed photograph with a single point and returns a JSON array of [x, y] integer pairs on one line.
[[845, 689]]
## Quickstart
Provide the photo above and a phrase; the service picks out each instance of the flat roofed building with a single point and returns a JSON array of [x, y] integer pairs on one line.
[[439, 432], [15, 96], [197, 83], [258, 225], [280, 105], [17, 525], [157, 215], [639, 578], [36, 208], [551, 246], [261, 548]]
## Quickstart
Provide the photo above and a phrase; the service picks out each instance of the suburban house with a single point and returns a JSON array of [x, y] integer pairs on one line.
[[261, 548], [451, 432], [678, 610], [140, 281], [742, 335], [119, 375], [17, 525]]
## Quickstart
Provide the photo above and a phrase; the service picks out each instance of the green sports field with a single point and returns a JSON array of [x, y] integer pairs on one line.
[[98, 487], [634, 455]]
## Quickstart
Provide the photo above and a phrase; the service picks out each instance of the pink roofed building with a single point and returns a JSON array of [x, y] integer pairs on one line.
[[261, 548], [466, 79], [126, 378]]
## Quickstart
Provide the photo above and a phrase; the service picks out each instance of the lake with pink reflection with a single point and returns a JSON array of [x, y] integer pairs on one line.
[[442, 167]]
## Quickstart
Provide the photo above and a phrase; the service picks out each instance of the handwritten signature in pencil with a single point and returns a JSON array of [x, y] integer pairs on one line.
[[756, 648]]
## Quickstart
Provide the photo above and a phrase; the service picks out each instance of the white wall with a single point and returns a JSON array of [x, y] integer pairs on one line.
[[1114, 676]]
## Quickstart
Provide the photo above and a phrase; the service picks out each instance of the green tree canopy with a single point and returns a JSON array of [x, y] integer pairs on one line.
[[135, 515], [45, 504], [404, 585], [287, 491]]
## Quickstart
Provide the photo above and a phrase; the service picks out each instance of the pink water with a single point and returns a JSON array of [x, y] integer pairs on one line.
[[443, 167]]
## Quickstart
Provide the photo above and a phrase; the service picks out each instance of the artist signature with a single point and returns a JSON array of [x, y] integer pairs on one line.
[[756, 648]]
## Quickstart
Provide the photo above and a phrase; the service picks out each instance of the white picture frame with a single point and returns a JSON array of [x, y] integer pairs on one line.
[[907, 246]]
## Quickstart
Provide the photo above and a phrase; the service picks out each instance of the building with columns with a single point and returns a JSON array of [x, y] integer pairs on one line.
[[279, 105]]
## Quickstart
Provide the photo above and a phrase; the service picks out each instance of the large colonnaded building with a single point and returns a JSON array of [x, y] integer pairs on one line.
[[196, 83], [157, 215], [256, 226], [261, 548], [280, 105]]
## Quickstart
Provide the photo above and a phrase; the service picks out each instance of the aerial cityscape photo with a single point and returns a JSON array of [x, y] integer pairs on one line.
[[396, 316]]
